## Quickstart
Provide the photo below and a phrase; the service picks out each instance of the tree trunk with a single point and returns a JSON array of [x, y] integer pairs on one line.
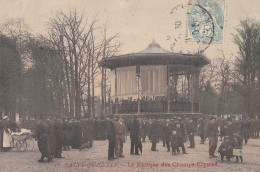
[[248, 95], [245, 96], [89, 86], [105, 89], [72, 100], [93, 88], [77, 102], [65, 97], [58, 96], [252, 96], [258, 94], [102, 91], [82, 104]]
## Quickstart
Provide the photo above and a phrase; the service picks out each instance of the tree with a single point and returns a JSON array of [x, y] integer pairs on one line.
[[75, 33], [110, 47], [223, 74], [19, 34], [246, 67], [43, 80], [208, 95], [10, 72]]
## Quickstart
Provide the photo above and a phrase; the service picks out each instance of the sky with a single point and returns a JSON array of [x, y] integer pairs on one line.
[[138, 22]]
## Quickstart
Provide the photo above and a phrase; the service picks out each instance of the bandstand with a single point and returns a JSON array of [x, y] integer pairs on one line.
[[155, 81]]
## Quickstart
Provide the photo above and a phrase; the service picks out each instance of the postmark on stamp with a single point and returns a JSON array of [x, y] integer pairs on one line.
[[204, 26], [206, 21]]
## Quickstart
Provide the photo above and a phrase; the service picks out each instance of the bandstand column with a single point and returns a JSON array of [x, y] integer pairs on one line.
[[138, 83], [192, 91], [188, 76], [116, 99], [194, 88], [116, 103], [168, 88]]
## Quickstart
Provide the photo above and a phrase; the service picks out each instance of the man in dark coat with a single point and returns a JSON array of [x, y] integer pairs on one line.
[[102, 129], [212, 134], [76, 135], [146, 128], [155, 130], [173, 139], [143, 129], [161, 134], [51, 122], [95, 128], [90, 132], [181, 135], [163, 124], [251, 128], [230, 128], [66, 129], [202, 128], [257, 128], [134, 135], [245, 130], [57, 129], [111, 139], [222, 128], [191, 130], [149, 124], [84, 125], [43, 135], [167, 133]]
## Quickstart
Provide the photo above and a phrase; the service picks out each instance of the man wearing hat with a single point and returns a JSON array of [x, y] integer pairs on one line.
[[120, 137], [191, 129], [202, 128], [58, 138], [66, 129], [155, 134], [134, 135], [111, 138], [167, 133], [212, 134], [43, 135]]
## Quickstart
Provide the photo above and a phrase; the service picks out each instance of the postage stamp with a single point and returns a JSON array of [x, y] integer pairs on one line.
[[206, 21]]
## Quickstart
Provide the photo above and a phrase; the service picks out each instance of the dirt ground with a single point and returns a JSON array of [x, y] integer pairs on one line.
[[95, 159]]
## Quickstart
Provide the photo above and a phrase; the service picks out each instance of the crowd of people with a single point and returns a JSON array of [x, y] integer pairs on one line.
[[55, 134], [234, 131]]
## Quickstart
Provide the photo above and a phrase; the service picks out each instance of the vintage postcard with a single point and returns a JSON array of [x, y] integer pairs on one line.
[[129, 85]]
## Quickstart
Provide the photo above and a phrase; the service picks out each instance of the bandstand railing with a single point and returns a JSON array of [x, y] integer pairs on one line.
[[153, 105]]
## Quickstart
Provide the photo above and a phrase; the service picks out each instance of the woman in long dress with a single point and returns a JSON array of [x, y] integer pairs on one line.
[[6, 135]]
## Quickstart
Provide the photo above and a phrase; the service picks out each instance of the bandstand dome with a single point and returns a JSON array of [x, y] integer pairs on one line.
[[153, 55]]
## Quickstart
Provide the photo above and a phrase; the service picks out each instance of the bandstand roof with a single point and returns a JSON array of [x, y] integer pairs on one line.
[[153, 55]]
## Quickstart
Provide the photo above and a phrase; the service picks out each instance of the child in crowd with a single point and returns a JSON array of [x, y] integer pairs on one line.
[[237, 151]]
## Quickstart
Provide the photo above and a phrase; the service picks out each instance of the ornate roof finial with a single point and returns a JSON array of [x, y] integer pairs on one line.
[[154, 44]]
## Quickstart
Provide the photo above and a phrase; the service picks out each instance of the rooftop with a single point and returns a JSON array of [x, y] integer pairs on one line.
[[154, 48], [153, 55]]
